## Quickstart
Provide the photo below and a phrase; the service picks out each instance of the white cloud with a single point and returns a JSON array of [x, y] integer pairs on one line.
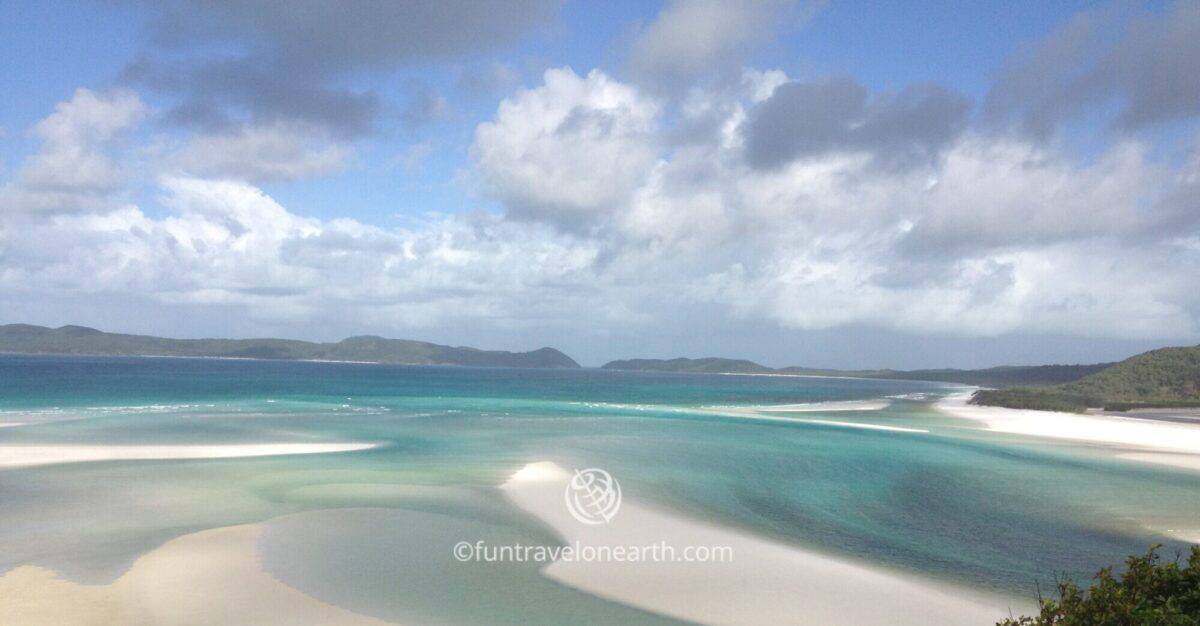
[[72, 171], [609, 223], [228, 243], [998, 235], [262, 153], [569, 149], [994, 192]]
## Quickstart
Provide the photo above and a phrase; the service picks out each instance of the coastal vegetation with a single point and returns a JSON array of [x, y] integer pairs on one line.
[[29, 339], [709, 365], [1004, 376], [1163, 378], [1151, 592]]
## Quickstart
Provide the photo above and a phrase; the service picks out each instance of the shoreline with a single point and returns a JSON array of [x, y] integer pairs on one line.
[[790, 414], [1139, 440], [764, 582], [17, 456]]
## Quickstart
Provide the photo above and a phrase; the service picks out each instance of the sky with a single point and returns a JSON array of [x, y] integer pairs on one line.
[[825, 184]]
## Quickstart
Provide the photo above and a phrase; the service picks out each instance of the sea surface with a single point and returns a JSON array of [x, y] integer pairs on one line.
[[372, 530]]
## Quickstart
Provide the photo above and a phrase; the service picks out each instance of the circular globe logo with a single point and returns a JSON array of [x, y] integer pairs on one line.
[[593, 496]]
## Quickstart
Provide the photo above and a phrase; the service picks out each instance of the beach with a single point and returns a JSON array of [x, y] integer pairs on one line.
[[764, 582], [1139, 440], [209, 577]]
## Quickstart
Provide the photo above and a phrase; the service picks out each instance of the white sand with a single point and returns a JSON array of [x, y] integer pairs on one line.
[[11, 424], [772, 414], [32, 455], [860, 425], [210, 577], [1144, 440], [765, 583]]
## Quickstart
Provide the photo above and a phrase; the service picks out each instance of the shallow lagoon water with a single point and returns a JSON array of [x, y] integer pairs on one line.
[[372, 530]]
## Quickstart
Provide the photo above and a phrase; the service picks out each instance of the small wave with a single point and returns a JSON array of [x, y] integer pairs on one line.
[[919, 396]]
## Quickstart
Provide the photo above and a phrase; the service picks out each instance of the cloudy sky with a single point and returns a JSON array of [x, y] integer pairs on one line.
[[827, 184]]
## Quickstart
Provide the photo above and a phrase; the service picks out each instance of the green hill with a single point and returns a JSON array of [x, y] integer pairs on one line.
[[1002, 376], [1005, 376], [29, 339], [1167, 377]]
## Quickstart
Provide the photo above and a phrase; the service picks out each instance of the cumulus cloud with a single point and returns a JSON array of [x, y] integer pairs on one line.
[[968, 242], [1141, 66], [72, 170], [228, 243], [1004, 192], [805, 120], [609, 222], [568, 150]]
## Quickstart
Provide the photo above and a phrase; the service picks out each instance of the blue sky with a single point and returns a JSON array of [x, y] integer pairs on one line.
[[793, 178], [65, 45]]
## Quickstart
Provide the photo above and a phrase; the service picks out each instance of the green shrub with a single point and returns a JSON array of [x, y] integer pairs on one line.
[[1041, 399], [1149, 592]]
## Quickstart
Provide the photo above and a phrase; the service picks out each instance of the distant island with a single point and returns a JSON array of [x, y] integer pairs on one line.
[[80, 340], [1003, 376], [1163, 378], [710, 365]]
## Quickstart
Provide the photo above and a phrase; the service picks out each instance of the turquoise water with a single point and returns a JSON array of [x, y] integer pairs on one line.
[[372, 530]]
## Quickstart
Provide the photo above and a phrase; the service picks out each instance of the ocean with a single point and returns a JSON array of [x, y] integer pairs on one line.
[[896, 484]]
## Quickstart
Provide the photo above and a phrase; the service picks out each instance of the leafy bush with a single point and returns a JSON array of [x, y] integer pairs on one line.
[[1130, 406], [1150, 593]]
